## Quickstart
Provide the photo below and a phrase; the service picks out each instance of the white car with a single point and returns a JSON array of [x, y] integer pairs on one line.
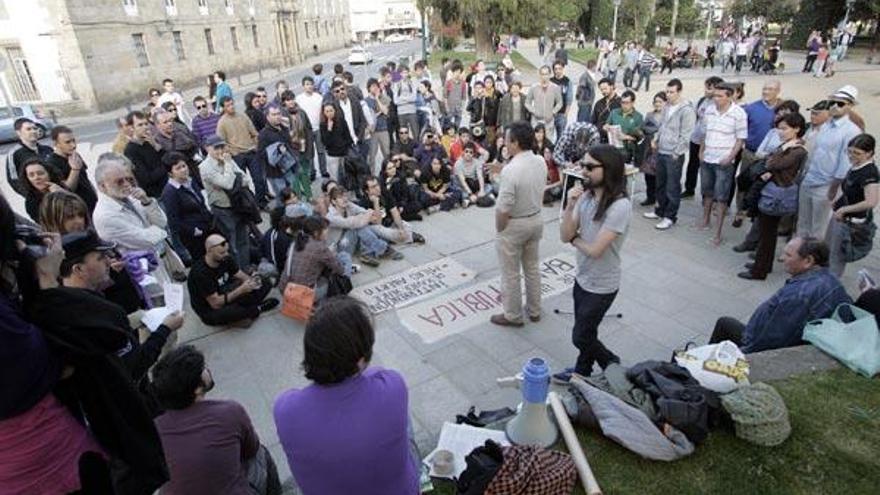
[[395, 38], [359, 55]]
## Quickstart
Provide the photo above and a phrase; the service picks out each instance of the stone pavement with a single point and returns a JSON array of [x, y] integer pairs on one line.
[[675, 284]]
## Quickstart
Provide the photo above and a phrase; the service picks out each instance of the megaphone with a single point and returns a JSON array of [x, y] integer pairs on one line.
[[532, 425]]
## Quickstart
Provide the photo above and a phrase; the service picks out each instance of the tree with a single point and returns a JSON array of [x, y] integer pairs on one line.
[[778, 11], [688, 20], [819, 15], [482, 18]]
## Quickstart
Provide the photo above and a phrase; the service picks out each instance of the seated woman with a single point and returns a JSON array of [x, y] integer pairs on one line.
[[38, 182], [310, 260], [396, 189], [353, 415], [544, 149]]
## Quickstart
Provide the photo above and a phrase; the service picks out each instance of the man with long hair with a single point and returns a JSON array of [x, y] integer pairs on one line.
[[595, 222]]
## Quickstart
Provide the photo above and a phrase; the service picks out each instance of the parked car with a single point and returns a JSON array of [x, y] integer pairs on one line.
[[7, 131], [359, 55], [395, 38]]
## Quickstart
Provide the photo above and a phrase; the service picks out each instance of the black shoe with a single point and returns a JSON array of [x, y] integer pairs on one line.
[[268, 305], [749, 265], [752, 255], [418, 238], [749, 276], [647, 202], [687, 194], [743, 247], [325, 175]]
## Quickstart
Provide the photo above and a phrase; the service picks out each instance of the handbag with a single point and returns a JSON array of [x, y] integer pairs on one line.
[[857, 239], [855, 343], [778, 201], [718, 367], [338, 285], [299, 302]]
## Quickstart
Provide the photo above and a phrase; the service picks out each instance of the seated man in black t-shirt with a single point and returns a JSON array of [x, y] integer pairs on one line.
[[392, 227], [221, 293], [437, 191]]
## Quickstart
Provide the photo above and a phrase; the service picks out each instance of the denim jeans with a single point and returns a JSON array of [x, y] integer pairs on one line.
[[716, 181], [589, 310], [235, 230], [366, 238], [559, 122], [248, 161], [646, 75], [585, 111], [668, 186]]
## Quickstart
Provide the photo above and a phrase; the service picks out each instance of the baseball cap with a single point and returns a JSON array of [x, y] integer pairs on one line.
[[78, 244], [215, 140], [821, 105]]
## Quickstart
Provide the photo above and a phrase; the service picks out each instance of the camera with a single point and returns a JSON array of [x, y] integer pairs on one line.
[[32, 237]]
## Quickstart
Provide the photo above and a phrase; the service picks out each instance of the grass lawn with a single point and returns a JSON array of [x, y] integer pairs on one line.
[[581, 55], [467, 58], [833, 448]]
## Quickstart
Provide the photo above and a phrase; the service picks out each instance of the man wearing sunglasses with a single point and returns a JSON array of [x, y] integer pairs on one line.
[[221, 293], [827, 164], [204, 123]]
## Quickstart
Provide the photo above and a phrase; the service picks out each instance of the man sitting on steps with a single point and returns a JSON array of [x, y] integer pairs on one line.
[[222, 294]]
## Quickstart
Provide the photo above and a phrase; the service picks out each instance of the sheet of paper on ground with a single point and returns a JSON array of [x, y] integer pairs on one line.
[[465, 308], [415, 284], [461, 440]]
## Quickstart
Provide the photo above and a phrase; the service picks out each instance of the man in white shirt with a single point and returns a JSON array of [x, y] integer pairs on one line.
[[742, 53], [726, 132], [174, 97], [310, 101]]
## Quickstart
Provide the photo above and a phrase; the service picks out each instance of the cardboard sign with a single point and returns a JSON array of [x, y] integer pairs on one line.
[[413, 285]]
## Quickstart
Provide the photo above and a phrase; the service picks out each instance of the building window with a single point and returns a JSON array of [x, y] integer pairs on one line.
[[130, 7], [178, 45], [140, 49], [230, 8], [252, 7], [233, 33], [23, 87], [4, 14], [209, 40], [203, 7], [170, 7], [255, 35]]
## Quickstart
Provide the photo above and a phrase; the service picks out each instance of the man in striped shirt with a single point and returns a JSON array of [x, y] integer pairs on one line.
[[204, 122], [726, 131], [647, 61]]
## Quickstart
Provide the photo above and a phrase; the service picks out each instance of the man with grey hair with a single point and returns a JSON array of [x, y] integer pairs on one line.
[[125, 214]]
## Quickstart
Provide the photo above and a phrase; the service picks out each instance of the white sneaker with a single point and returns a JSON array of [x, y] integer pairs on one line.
[[664, 224], [650, 215], [433, 209], [355, 268], [465, 203]]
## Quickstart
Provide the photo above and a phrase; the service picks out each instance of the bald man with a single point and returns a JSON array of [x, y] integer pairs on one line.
[[221, 293]]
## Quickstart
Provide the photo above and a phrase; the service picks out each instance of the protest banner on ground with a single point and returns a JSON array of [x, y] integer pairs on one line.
[[465, 308], [413, 285]]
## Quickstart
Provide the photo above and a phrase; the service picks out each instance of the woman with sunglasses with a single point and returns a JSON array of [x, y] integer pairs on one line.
[[595, 221], [854, 206]]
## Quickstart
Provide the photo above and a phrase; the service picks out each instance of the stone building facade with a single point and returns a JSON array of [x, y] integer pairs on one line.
[[78, 56]]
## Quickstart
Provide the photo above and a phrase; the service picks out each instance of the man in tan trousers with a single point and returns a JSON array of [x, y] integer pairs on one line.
[[519, 225]]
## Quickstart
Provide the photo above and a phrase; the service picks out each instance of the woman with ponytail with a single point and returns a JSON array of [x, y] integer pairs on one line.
[[310, 257]]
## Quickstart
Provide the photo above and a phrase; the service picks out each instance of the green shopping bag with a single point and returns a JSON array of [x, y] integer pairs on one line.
[[856, 344]]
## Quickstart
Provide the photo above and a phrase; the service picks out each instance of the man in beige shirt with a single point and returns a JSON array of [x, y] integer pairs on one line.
[[240, 135], [218, 171], [519, 225]]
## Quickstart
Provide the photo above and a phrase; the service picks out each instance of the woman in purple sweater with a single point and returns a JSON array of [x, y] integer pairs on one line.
[[349, 431]]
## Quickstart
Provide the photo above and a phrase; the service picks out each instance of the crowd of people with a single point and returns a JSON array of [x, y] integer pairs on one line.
[[345, 174]]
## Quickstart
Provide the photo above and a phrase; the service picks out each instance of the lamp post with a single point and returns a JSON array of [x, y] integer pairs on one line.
[[614, 26], [710, 16], [424, 36]]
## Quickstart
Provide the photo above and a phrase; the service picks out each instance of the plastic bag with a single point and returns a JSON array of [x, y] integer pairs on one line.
[[718, 367], [856, 344]]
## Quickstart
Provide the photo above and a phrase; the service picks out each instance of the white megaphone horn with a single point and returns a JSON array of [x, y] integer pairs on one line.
[[531, 425]]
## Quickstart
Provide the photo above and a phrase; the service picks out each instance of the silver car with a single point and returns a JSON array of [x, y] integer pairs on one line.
[[7, 131]]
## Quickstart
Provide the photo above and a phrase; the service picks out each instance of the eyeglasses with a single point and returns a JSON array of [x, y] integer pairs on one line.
[[339, 91], [201, 107], [591, 166], [123, 180], [836, 103]]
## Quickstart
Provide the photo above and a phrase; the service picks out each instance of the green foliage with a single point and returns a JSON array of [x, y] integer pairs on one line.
[[780, 11], [689, 19], [814, 14]]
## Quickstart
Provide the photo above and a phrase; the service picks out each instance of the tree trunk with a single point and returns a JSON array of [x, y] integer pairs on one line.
[[872, 55], [483, 38]]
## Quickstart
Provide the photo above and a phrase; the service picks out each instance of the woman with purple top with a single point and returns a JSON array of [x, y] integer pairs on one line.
[[349, 431]]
